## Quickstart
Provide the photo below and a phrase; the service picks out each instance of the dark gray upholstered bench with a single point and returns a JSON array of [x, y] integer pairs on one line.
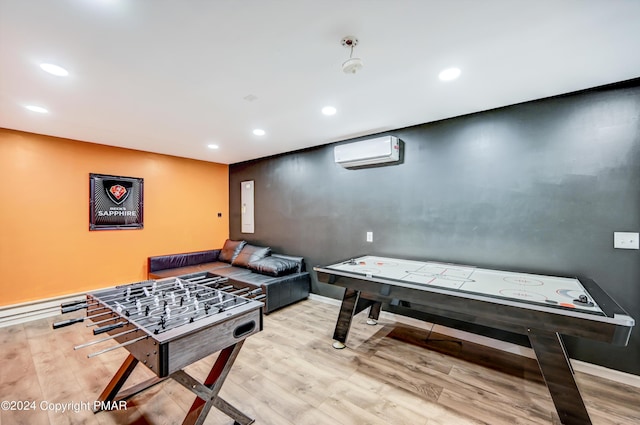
[[282, 278]]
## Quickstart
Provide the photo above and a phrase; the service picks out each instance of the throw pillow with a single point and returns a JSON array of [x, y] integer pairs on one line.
[[249, 254], [230, 250], [274, 266]]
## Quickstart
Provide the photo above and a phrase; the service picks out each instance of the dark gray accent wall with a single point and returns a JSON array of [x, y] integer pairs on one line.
[[537, 187]]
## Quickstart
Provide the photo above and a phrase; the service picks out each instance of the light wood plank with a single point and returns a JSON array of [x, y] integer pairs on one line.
[[289, 374]]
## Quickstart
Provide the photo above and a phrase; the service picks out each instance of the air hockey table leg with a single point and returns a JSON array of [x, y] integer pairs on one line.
[[558, 374], [347, 310], [352, 304], [374, 314]]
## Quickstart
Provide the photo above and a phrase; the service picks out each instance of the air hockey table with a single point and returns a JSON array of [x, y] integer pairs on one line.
[[540, 307]]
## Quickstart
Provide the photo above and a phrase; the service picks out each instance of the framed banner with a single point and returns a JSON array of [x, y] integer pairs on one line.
[[115, 202]]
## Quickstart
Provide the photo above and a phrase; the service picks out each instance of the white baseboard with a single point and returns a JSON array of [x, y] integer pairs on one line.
[[39, 309], [326, 300], [580, 366], [25, 312]]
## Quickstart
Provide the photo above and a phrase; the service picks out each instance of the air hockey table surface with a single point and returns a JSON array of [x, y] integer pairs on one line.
[[567, 293]]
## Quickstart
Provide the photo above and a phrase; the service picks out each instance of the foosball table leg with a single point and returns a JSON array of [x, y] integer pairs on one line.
[[207, 392], [113, 387], [112, 390]]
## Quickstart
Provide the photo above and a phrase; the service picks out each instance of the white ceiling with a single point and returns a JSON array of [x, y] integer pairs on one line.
[[171, 76]]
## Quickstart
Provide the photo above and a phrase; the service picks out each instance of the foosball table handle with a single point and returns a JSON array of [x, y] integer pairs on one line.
[[67, 322], [108, 328], [72, 303], [68, 309]]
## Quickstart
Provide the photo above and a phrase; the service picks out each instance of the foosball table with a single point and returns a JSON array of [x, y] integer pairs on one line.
[[169, 324]]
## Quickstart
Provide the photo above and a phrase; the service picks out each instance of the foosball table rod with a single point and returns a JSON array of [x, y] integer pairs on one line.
[[115, 317], [123, 323], [98, 341], [115, 347], [68, 322]]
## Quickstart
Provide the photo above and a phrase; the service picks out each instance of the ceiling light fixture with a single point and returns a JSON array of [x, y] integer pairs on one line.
[[38, 109], [351, 65], [329, 110], [54, 69], [449, 74], [212, 146], [259, 132]]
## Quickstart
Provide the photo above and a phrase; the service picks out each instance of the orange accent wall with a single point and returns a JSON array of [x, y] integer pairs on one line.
[[46, 248]]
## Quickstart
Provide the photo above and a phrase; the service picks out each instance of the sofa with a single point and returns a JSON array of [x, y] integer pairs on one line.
[[282, 278]]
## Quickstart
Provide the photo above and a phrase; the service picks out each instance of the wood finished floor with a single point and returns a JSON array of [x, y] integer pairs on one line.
[[289, 374]]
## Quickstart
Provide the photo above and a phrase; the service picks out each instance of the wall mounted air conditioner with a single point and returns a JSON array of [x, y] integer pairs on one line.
[[368, 152]]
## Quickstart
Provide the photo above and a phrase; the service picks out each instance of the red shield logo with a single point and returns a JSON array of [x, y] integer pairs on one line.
[[117, 191]]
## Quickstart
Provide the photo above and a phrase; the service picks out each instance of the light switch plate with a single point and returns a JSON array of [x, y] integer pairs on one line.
[[626, 240], [369, 236]]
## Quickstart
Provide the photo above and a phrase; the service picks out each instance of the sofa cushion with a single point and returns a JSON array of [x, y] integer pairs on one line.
[[274, 266], [172, 261], [299, 260], [180, 271], [230, 250], [249, 254], [231, 271]]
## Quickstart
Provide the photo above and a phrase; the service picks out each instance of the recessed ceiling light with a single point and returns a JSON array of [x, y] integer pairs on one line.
[[38, 109], [259, 132], [54, 69], [329, 110], [449, 74], [212, 146]]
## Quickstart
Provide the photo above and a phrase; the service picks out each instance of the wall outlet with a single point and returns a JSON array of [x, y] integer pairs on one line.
[[626, 240], [369, 236]]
